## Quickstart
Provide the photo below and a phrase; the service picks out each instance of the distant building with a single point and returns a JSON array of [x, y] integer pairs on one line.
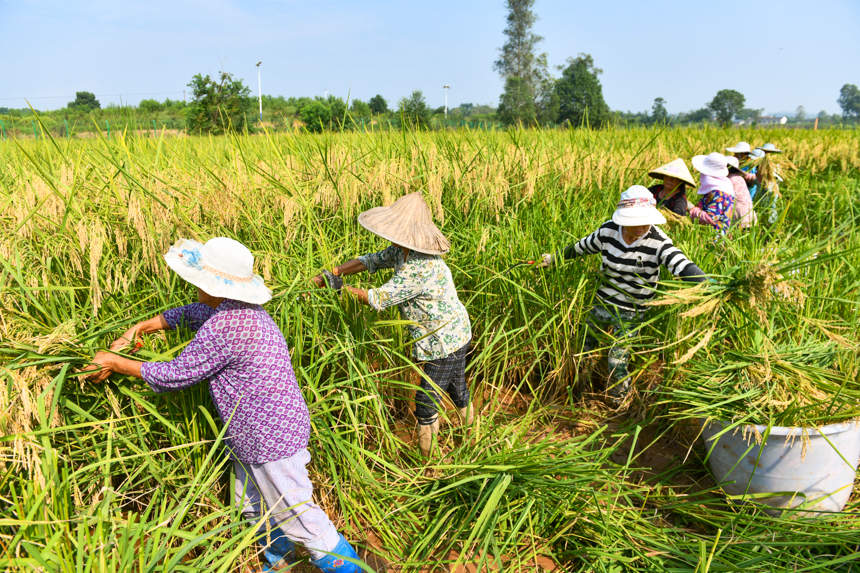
[[772, 120]]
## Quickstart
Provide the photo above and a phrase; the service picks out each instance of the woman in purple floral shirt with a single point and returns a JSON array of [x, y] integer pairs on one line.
[[240, 350]]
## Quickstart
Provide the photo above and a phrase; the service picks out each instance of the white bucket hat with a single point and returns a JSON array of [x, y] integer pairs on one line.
[[733, 161], [637, 207], [407, 222], [675, 168], [713, 164], [222, 268], [770, 148], [741, 147]]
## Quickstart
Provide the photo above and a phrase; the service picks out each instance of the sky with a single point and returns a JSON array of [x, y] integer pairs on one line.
[[778, 54]]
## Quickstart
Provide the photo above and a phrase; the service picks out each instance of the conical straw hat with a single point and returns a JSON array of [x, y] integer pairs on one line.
[[407, 222], [677, 169]]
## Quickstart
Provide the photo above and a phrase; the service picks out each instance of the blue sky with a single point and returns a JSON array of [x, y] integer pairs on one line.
[[779, 54]]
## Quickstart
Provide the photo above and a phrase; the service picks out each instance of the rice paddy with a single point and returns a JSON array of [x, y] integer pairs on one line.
[[115, 478]]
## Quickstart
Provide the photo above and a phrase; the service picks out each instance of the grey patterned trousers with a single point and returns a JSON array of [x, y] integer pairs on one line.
[[616, 326]]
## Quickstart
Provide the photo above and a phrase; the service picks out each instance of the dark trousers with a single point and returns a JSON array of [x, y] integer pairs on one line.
[[448, 375]]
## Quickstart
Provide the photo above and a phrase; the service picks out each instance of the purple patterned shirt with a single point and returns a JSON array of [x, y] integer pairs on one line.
[[241, 351]]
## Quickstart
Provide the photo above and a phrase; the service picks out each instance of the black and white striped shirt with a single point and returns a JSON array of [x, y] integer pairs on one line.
[[630, 272]]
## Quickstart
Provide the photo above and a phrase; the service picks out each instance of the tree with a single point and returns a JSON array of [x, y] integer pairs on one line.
[[359, 110], [522, 69], [315, 114], [658, 111], [414, 111], [84, 101], [800, 113], [726, 105], [217, 106], [149, 106], [580, 94], [849, 101], [517, 103], [378, 105]]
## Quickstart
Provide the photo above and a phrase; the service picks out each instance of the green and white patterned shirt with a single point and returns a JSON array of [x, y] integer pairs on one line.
[[423, 288]]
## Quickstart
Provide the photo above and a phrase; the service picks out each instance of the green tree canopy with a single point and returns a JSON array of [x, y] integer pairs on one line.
[[528, 90], [517, 103], [849, 101], [378, 105], [218, 106], [658, 111], [413, 110], [315, 114], [359, 110], [580, 94], [84, 101], [726, 105], [149, 106]]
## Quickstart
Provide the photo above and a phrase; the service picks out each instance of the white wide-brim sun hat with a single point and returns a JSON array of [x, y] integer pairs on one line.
[[741, 147], [407, 222], [770, 148], [733, 162], [222, 268], [713, 164], [637, 207]]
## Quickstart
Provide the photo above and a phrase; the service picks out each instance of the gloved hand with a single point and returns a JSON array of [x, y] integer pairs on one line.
[[333, 281], [546, 260]]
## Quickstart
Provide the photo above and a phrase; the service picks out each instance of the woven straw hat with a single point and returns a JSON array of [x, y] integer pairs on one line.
[[222, 268], [675, 168], [407, 222], [637, 207]]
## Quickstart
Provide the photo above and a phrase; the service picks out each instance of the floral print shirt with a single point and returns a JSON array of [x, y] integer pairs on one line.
[[715, 209], [240, 350], [423, 289]]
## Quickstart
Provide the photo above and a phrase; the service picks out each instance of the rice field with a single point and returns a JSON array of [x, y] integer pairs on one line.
[[115, 478]]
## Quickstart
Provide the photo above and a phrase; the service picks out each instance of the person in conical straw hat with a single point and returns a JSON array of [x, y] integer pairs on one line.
[[423, 289], [672, 193], [632, 249], [242, 353], [717, 195]]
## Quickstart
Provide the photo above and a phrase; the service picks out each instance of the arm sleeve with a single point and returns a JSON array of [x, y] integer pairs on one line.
[[678, 264], [589, 245], [202, 359], [384, 259], [692, 273], [191, 315], [700, 215], [399, 289]]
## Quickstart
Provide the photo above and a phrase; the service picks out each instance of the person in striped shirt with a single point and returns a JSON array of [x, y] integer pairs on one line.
[[632, 249]]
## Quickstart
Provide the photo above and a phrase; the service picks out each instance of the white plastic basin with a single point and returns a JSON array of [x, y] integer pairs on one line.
[[812, 468]]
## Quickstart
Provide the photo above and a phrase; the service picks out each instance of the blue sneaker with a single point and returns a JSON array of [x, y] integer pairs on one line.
[[280, 551], [336, 563]]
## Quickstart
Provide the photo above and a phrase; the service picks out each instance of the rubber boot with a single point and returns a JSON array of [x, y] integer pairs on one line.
[[280, 551], [425, 436], [467, 415], [335, 563]]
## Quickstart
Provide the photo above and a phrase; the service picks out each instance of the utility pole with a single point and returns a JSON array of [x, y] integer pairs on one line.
[[260, 90], [446, 87]]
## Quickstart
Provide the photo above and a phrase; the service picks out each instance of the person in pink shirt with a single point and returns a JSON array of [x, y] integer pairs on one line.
[[743, 213]]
